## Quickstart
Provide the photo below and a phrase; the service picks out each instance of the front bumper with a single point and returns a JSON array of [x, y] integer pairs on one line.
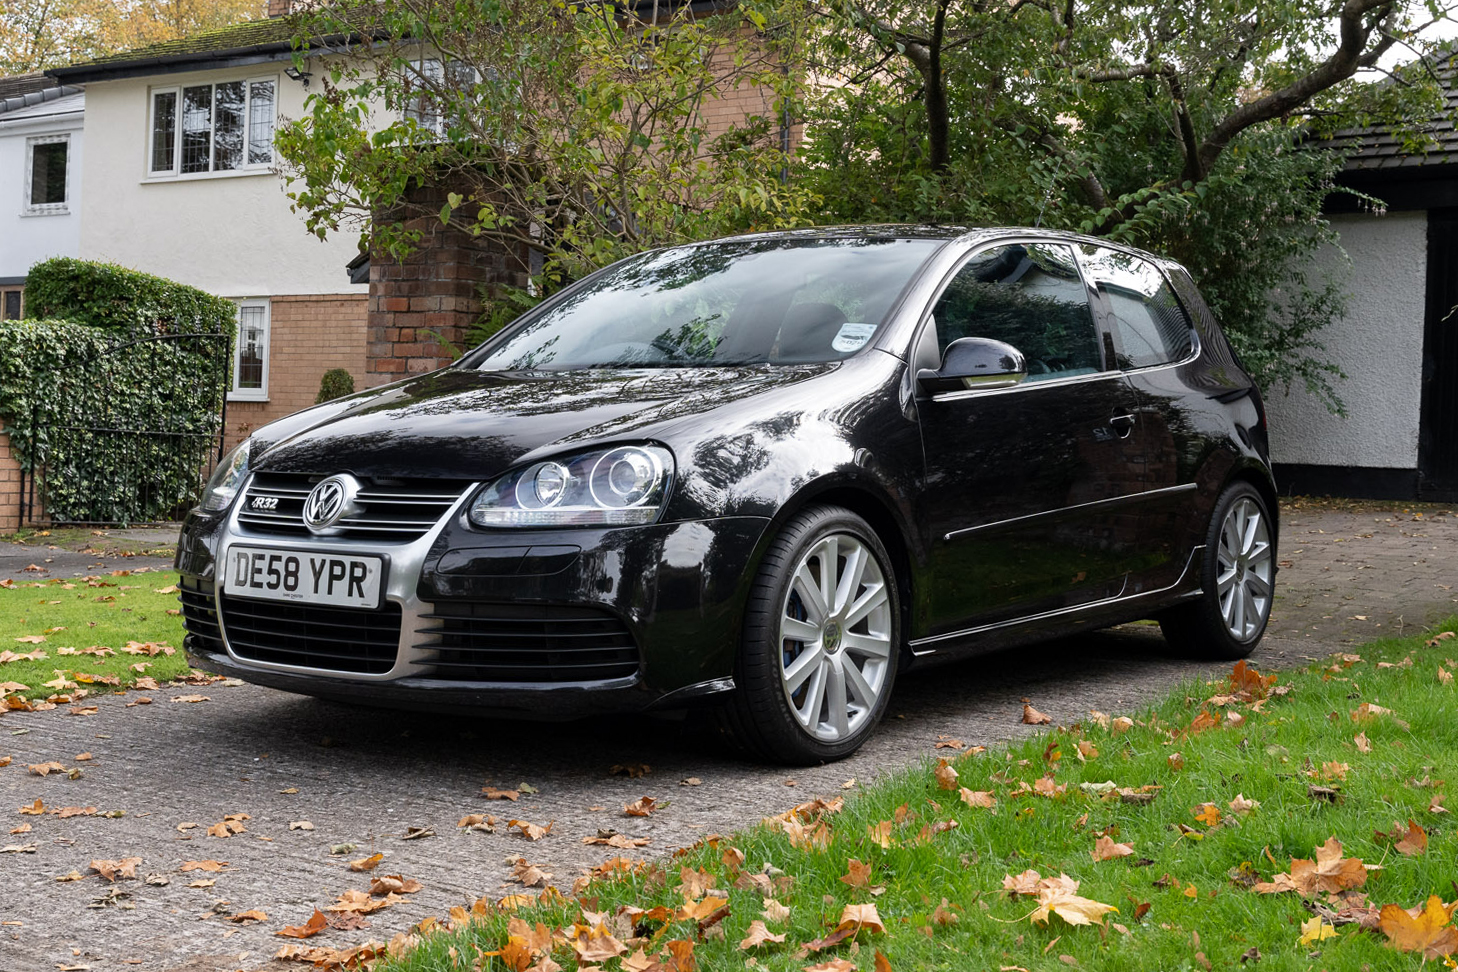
[[547, 624]]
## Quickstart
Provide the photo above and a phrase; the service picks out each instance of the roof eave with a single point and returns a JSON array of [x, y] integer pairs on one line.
[[191, 61]]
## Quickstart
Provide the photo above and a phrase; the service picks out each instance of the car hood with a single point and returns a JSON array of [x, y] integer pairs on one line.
[[462, 424]]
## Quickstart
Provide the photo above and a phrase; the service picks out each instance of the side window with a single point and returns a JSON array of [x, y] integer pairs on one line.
[[1030, 296], [1149, 324]]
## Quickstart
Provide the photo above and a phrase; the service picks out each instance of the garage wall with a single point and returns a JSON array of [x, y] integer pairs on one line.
[[1379, 345]]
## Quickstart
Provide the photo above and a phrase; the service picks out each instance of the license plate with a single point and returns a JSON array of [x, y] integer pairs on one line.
[[338, 580]]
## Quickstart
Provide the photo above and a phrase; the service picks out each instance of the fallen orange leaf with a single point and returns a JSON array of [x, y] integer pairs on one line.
[[1427, 932]]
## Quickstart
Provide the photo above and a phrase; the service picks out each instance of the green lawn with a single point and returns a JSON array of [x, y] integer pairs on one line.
[[99, 617], [1233, 790]]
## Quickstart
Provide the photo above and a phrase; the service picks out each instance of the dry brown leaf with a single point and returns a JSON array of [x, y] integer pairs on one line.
[[758, 935], [1364, 745], [595, 943], [367, 863], [984, 799], [111, 870], [213, 866], [1032, 717], [1106, 850], [1208, 814], [360, 902], [394, 884], [1414, 842], [857, 875], [1329, 872], [774, 911], [316, 923], [45, 769], [641, 807], [631, 770], [946, 776], [253, 915], [832, 965], [530, 830], [1241, 805], [491, 793], [1427, 931]]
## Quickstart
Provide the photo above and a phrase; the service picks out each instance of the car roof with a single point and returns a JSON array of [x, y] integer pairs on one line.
[[934, 231]]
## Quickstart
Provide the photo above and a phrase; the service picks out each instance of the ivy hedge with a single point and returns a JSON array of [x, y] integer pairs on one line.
[[114, 400]]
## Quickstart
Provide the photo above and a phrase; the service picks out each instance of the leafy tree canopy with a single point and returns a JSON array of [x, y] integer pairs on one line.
[[587, 132], [40, 34], [1185, 127]]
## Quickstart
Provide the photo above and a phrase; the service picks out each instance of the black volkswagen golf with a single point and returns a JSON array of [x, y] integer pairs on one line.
[[764, 473]]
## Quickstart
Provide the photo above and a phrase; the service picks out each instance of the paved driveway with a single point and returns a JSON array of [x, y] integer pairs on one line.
[[365, 776]]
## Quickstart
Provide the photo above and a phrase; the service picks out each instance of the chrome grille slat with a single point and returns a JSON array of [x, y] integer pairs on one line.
[[391, 510]]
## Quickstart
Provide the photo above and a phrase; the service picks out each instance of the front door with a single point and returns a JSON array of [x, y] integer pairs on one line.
[[1031, 496]]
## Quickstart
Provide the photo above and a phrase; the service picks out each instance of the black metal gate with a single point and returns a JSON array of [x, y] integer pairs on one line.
[[128, 436]]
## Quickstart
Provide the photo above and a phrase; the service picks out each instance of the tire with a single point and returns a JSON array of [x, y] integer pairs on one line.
[[1237, 574], [800, 701]]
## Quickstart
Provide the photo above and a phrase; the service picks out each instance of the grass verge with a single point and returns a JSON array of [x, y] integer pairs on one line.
[[1219, 787], [87, 631]]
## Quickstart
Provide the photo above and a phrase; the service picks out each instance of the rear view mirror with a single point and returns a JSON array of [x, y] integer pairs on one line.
[[974, 362]]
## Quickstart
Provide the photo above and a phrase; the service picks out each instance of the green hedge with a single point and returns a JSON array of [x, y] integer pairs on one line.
[[116, 406], [107, 296]]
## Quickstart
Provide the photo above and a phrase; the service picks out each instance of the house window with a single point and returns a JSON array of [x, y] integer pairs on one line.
[[250, 354], [205, 128], [46, 174], [10, 305], [428, 83]]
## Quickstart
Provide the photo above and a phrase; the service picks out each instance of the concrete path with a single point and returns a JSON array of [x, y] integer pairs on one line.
[[364, 776]]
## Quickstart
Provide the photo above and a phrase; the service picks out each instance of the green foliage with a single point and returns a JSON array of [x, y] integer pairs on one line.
[[1192, 130], [336, 383], [579, 131], [128, 302], [116, 413]]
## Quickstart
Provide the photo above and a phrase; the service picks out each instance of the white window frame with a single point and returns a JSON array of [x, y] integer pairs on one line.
[[236, 394], [46, 209], [247, 168]]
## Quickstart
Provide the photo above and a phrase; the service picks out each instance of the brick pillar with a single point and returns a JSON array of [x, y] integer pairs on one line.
[[433, 295], [9, 485]]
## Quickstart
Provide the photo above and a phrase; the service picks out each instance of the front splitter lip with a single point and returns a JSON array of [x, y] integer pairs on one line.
[[530, 701]]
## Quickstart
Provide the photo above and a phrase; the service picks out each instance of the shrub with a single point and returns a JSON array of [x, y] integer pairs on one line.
[[336, 383], [117, 410], [114, 298]]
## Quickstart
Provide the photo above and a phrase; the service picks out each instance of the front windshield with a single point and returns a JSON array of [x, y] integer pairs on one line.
[[738, 302]]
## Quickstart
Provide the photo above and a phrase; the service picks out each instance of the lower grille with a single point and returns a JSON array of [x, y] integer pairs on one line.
[[528, 643], [337, 639], [199, 617]]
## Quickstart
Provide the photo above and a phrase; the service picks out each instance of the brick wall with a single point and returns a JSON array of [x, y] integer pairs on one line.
[[433, 296], [9, 486], [307, 336]]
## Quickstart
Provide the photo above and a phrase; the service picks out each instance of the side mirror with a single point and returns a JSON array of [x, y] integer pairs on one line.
[[974, 362]]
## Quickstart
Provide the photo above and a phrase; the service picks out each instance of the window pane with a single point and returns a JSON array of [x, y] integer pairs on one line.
[[197, 128], [48, 174], [252, 325], [12, 306], [1030, 297], [260, 123], [228, 126], [164, 131], [1151, 327]]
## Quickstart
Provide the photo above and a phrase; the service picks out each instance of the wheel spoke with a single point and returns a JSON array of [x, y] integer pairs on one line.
[[802, 667], [1258, 585], [859, 687], [873, 599], [1249, 530], [867, 646], [793, 629], [808, 712], [804, 584], [828, 555], [835, 700], [850, 579], [1226, 578]]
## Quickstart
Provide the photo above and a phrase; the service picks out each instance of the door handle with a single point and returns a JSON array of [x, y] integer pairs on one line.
[[1122, 423]]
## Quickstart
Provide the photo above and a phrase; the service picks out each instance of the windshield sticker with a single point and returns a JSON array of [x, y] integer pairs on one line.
[[853, 336]]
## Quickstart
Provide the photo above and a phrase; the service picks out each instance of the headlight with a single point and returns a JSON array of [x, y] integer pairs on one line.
[[227, 478], [621, 486]]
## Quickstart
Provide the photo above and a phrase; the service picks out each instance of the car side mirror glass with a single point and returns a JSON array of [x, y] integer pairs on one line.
[[974, 362]]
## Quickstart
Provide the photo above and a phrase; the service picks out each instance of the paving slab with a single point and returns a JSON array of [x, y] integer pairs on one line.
[[364, 776]]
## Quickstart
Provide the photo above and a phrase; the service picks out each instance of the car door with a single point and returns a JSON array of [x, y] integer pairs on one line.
[[1153, 341], [1028, 489]]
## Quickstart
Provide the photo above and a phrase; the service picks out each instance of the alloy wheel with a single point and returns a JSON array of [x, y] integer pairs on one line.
[[1243, 579], [835, 637]]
